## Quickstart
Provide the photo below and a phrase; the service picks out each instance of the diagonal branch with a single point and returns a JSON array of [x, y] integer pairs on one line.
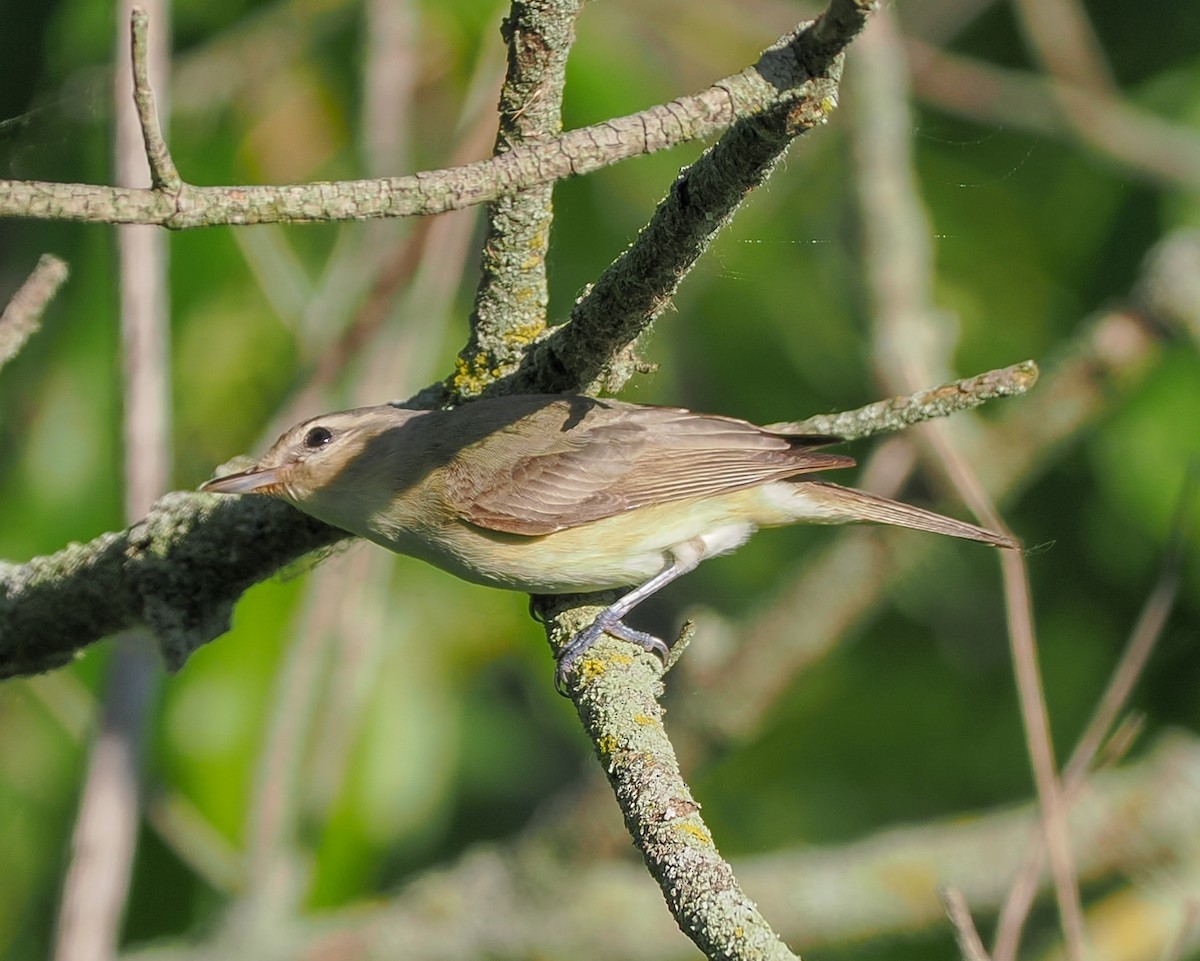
[[896, 413], [594, 349], [616, 693]]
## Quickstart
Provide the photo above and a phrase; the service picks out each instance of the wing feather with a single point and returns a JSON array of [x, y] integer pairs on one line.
[[572, 460]]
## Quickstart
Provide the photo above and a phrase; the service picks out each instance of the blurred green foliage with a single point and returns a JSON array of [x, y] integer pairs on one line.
[[455, 733]]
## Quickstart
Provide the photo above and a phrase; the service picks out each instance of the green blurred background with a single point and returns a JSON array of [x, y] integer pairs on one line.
[[434, 724]]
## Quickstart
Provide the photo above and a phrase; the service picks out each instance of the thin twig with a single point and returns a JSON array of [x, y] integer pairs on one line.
[[897, 413], [1141, 643], [23, 313], [912, 345], [1019, 608], [965, 933], [163, 175]]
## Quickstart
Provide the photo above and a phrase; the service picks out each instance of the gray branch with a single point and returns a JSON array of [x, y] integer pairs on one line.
[[181, 205], [178, 572], [511, 300], [596, 348]]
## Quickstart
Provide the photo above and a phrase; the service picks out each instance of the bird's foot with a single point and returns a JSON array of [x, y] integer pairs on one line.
[[577, 646]]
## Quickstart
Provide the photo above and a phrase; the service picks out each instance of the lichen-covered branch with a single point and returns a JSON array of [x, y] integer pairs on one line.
[[616, 691], [750, 92], [179, 572], [896, 413], [163, 175], [511, 299], [594, 349]]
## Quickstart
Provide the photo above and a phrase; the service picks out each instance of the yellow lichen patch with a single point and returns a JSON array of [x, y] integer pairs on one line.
[[522, 334], [471, 375], [607, 744], [697, 832], [644, 719], [828, 105], [591, 668]]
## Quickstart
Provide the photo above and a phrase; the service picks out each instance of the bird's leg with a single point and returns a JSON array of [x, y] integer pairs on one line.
[[609, 620]]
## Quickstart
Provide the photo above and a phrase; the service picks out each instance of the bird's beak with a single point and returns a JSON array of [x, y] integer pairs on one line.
[[256, 480]]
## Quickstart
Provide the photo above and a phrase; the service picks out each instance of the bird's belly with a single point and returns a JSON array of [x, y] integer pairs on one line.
[[619, 551]]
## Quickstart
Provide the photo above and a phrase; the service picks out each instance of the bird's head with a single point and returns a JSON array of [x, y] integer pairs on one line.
[[329, 466]]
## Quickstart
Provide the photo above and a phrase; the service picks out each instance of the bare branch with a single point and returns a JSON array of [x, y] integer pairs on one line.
[[896, 413], [163, 175], [594, 349], [752, 91], [23, 313], [104, 841], [965, 933], [1142, 641]]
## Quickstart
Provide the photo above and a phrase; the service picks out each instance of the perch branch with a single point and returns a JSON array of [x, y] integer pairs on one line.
[[616, 693], [179, 572]]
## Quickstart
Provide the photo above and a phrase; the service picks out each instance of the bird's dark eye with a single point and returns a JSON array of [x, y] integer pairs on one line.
[[318, 437]]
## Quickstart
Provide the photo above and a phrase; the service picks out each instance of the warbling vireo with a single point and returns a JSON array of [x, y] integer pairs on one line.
[[563, 494]]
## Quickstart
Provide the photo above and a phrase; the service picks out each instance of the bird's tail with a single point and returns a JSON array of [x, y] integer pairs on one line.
[[859, 505]]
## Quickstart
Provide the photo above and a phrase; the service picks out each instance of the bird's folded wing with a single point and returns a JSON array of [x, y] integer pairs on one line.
[[563, 468]]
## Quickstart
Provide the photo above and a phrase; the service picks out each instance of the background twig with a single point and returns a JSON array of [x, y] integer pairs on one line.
[[23, 313]]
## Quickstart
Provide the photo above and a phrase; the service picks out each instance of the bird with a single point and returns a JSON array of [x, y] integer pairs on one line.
[[566, 494]]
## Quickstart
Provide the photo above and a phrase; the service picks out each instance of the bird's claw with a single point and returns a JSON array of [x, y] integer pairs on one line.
[[578, 645]]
